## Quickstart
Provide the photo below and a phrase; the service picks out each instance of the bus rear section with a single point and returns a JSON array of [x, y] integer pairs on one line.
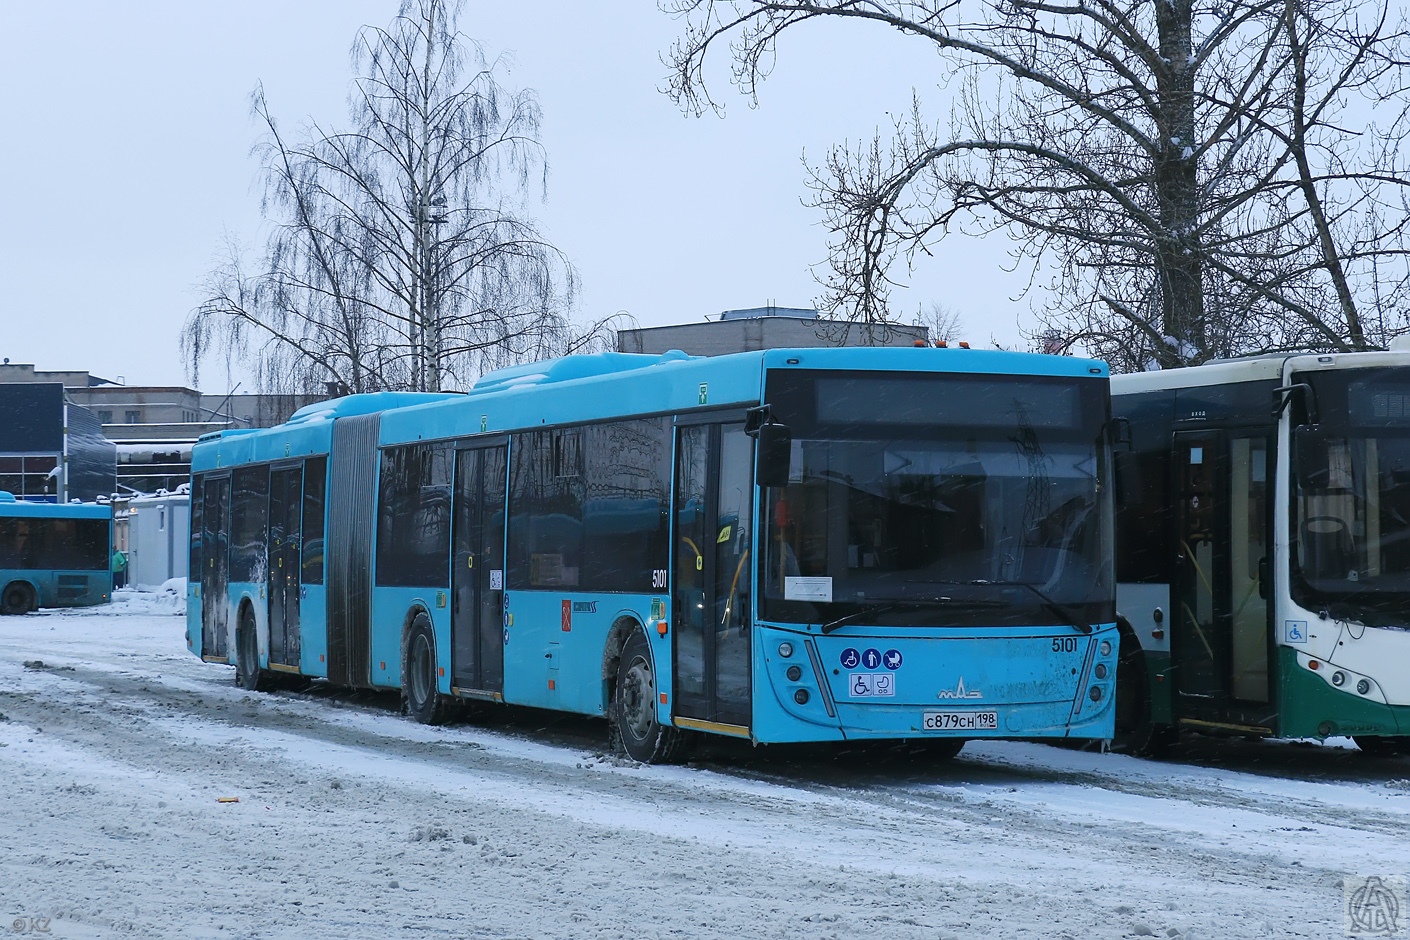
[[54, 555], [934, 558]]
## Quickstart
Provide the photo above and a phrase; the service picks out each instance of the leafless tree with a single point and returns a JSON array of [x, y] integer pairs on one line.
[[1188, 178], [402, 253]]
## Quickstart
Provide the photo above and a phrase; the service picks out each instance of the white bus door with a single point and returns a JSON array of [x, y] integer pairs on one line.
[[1220, 634]]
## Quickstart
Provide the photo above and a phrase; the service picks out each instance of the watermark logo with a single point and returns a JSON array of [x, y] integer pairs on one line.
[[30, 925], [1375, 905]]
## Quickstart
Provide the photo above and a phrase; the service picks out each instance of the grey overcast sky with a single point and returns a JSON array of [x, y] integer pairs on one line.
[[126, 161]]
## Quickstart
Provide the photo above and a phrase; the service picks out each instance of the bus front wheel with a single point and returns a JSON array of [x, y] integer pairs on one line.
[[635, 730], [17, 598], [418, 676]]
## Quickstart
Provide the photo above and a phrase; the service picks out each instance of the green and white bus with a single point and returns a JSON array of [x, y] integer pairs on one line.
[[1263, 550]]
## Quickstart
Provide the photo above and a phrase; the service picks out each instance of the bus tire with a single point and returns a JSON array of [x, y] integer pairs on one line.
[[1387, 745], [418, 676], [1136, 734], [634, 730], [17, 598], [248, 674]]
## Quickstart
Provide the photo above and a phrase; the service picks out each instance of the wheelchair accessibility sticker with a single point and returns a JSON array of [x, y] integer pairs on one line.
[[871, 684], [1295, 631]]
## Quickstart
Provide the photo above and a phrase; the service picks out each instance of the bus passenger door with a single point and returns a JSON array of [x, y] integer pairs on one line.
[[285, 521], [1219, 638], [215, 567], [711, 565], [477, 580]]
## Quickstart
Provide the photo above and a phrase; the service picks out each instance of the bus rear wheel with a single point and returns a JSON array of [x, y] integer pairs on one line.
[[635, 730], [248, 674], [418, 676], [17, 598]]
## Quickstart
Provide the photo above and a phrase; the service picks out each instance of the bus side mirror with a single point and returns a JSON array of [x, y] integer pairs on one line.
[[775, 455], [1301, 395], [1312, 456]]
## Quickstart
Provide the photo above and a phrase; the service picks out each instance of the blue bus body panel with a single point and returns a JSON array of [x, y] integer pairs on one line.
[[313, 643], [554, 642], [1038, 680], [392, 609]]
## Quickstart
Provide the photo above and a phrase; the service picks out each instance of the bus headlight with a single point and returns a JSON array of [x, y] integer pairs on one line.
[[1338, 678], [1105, 647], [785, 649], [801, 696], [1363, 686], [1095, 694], [794, 673], [1100, 671]]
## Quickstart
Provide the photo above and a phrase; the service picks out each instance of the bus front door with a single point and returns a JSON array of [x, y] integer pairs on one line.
[[1219, 639], [477, 618], [215, 568], [285, 522], [711, 564]]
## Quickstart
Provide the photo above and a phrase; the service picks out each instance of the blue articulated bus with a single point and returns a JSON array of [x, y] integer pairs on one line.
[[783, 546], [54, 554]]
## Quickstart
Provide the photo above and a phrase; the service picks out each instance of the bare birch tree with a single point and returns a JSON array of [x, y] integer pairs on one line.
[[1195, 178], [402, 254]]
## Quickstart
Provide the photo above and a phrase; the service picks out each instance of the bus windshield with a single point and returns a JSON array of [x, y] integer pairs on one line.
[[1351, 497], [939, 500]]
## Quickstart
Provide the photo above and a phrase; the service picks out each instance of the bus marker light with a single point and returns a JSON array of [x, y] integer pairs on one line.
[[384, 665], [320, 657], [661, 628], [1314, 665], [663, 698], [441, 671], [785, 649], [551, 685]]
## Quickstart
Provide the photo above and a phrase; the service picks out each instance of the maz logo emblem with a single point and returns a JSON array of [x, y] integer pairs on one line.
[[959, 691]]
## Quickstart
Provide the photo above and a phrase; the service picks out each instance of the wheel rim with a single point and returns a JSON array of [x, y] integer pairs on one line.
[[638, 693], [420, 670]]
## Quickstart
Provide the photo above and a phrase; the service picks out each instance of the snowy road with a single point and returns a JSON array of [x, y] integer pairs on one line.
[[354, 822]]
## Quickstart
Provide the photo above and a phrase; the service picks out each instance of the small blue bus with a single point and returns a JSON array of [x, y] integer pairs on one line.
[[793, 545], [54, 554]]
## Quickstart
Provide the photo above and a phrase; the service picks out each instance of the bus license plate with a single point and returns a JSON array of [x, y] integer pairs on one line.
[[961, 721]]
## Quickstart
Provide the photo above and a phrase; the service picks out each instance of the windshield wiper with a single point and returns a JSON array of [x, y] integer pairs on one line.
[[856, 615], [1062, 610], [904, 603]]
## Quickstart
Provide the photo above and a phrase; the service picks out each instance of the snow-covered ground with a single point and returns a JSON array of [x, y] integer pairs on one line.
[[117, 749]]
